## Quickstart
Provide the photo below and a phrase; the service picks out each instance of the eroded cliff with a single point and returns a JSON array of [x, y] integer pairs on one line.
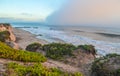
[[7, 35]]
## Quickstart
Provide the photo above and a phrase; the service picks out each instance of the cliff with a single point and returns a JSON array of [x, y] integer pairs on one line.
[[7, 35]]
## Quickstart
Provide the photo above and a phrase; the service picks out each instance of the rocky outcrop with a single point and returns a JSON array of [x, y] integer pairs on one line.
[[7, 35], [7, 27]]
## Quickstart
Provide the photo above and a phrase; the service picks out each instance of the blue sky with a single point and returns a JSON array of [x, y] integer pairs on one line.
[[62, 12], [28, 9]]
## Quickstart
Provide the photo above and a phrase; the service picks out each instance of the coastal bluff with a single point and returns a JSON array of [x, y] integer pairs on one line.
[[7, 35]]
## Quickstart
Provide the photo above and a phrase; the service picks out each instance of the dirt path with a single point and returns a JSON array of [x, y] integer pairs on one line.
[[60, 65], [49, 64]]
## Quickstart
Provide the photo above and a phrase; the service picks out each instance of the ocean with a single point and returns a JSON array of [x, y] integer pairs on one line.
[[49, 34]]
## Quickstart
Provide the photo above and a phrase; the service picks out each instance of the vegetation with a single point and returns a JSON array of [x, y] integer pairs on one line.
[[58, 50], [14, 69], [88, 49], [20, 55], [108, 65], [34, 47], [4, 35], [5, 24]]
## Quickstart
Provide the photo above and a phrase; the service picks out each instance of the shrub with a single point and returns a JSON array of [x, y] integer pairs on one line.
[[35, 70], [19, 55], [108, 65], [58, 50], [88, 48], [4, 35], [112, 55], [34, 47]]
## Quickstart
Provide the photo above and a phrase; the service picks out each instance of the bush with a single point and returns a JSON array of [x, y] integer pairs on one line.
[[88, 48], [14, 69], [112, 55], [34, 47], [58, 50], [108, 65], [19, 55], [4, 35]]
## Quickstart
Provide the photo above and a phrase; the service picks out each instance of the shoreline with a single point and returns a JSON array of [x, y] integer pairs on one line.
[[103, 44], [25, 38], [100, 36]]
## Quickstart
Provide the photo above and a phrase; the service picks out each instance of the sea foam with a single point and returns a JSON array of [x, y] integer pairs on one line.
[[102, 47]]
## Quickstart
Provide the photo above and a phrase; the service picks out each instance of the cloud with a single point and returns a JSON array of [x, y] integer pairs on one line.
[[87, 12]]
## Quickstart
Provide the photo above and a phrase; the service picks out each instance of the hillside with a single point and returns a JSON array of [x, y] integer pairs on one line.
[[26, 58], [53, 59]]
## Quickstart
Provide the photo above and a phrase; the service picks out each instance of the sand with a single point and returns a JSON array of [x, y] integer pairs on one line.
[[104, 42], [25, 38]]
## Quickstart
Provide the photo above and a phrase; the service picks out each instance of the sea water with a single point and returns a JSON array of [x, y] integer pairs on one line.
[[46, 33]]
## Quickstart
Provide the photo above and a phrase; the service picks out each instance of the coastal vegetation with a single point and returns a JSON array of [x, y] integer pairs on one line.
[[4, 35], [14, 69], [88, 49], [58, 51], [20, 55], [31, 69], [108, 65], [34, 47]]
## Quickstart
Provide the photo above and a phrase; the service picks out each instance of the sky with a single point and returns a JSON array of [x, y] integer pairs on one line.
[[87, 12], [62, 12], [31, 10]]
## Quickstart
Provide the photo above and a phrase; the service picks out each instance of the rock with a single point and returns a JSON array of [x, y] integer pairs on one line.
[[7, 27], [7, 35]]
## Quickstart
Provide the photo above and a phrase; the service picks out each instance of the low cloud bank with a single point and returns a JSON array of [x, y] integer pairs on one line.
[[87, 12]]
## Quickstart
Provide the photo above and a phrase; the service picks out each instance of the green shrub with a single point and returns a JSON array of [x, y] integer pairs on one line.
[[58, 50], [112, 55], [19, 55], [88, 48], [35, 70], [4, 35], [34, 47], [108, 65]]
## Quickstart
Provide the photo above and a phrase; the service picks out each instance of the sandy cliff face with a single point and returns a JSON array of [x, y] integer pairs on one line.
[[11, 40], [7, 27]]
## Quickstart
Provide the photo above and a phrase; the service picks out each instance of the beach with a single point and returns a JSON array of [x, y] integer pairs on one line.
[[104, 40], [25, 38]]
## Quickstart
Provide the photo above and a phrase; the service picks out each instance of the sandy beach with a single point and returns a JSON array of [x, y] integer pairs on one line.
[[25, 38], [104, 41]]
